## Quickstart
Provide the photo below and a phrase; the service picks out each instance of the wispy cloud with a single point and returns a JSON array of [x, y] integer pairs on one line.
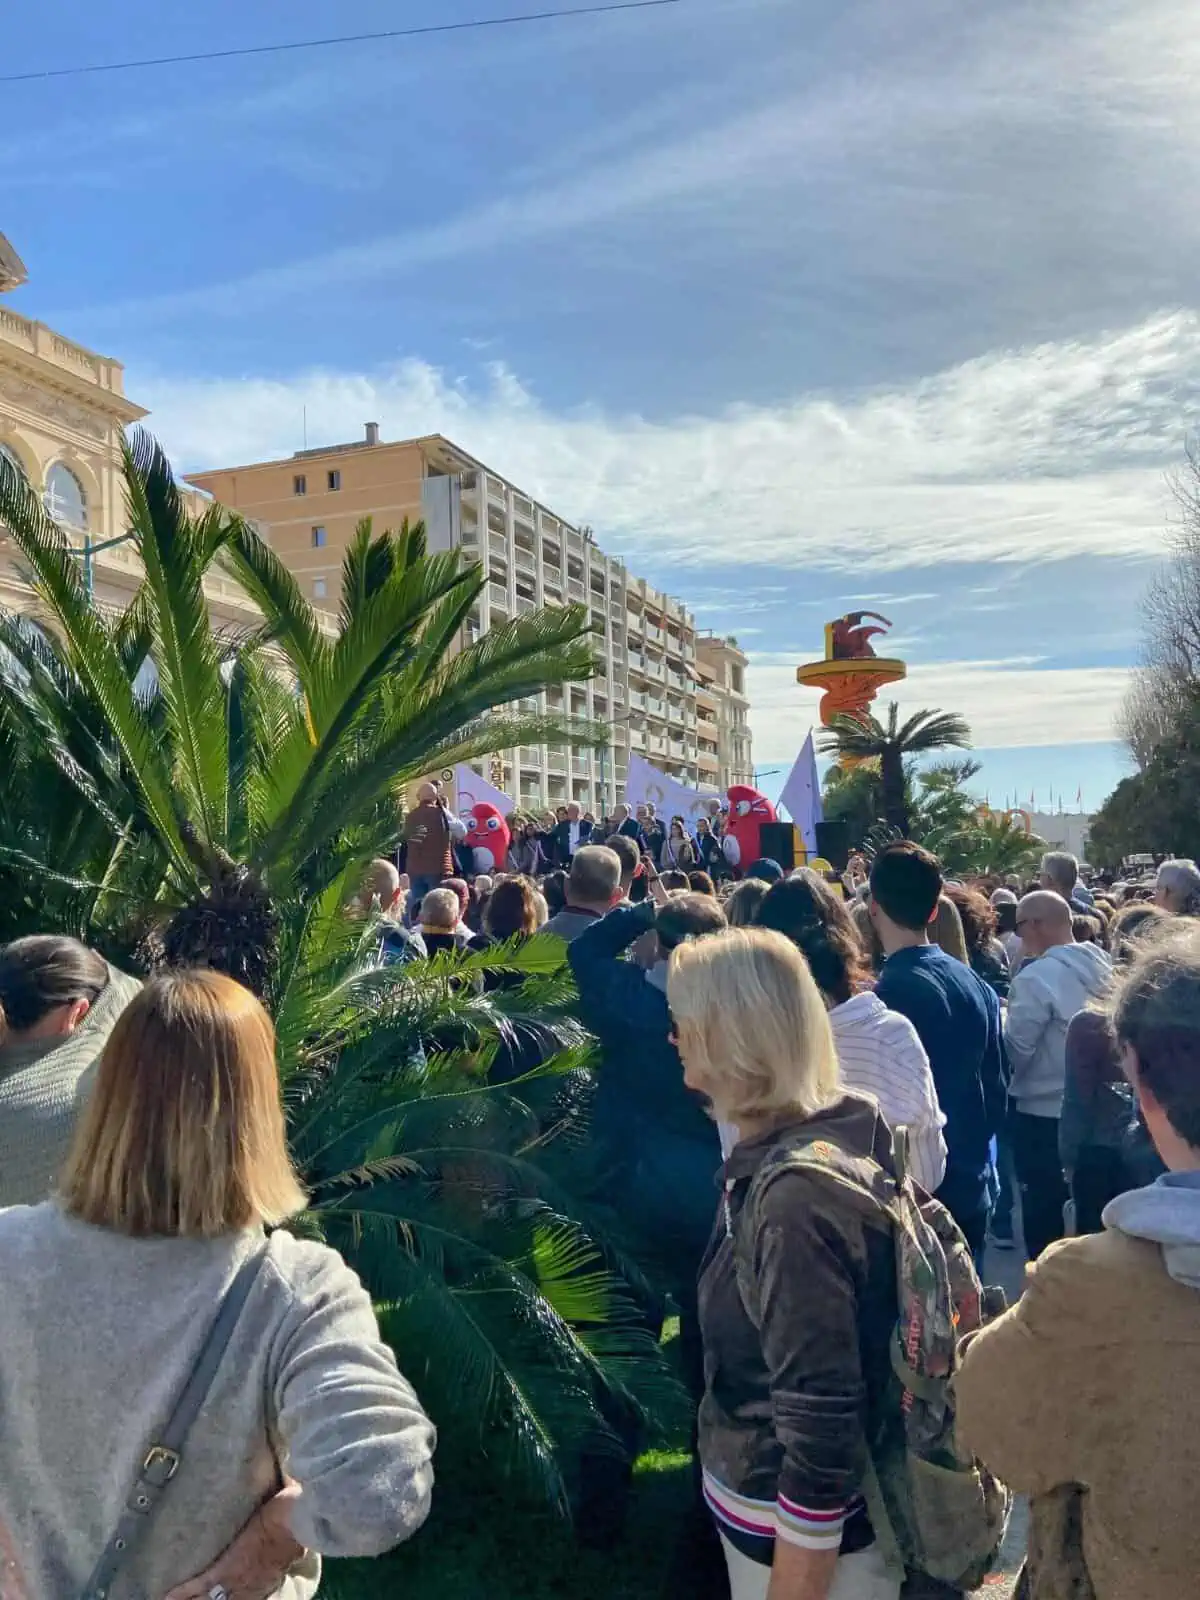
[[1019, 456], [1009, 704]]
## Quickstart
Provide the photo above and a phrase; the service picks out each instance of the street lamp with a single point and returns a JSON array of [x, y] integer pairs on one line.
[[92, 547], [765, 772]]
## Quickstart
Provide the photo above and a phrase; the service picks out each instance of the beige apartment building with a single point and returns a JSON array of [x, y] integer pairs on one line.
[[63, 411], [722, 708], [678, 701]]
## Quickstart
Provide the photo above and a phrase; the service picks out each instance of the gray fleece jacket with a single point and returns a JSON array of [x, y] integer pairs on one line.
[[43, 1085], [99, 1332], [1045, 995]]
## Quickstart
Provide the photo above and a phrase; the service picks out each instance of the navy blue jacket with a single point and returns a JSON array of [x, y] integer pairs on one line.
[[659, 1144], [957, 1017]]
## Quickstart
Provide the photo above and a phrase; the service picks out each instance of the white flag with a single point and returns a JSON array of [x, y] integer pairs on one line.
[[474, 790], [801, 794]]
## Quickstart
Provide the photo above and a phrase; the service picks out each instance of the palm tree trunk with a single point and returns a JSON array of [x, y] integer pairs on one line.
[[895, 804]]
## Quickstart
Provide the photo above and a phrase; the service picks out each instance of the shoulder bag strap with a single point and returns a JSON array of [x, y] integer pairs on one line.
[[163, 1458]]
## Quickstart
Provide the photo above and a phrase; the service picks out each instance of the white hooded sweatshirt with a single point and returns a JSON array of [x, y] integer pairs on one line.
[[1046, 994]]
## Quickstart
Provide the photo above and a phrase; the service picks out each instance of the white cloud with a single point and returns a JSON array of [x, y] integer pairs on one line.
[[1008, 704], [1023, 455]]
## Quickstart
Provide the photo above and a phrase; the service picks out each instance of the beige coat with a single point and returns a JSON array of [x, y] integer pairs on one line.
[[1092, 1381]]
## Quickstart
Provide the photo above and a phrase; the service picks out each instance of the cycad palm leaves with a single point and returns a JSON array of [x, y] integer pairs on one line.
[[890, 743], [264, 766]]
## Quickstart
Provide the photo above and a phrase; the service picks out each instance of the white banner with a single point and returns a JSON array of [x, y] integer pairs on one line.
[[646, 785], [474, 790]]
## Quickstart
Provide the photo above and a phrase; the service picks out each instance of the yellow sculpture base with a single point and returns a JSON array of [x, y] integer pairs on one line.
[[849, 687]]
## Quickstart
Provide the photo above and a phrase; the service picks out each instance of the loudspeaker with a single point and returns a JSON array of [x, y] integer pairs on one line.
[[782, 842], [833, 842]]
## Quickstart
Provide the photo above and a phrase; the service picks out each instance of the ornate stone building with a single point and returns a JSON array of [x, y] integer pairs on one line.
[[63, 410]]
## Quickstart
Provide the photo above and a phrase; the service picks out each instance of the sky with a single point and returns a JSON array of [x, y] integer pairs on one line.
[[803, 308]]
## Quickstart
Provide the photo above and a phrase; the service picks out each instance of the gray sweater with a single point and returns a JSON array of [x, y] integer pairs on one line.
[[98, 1333], [42, 1087]]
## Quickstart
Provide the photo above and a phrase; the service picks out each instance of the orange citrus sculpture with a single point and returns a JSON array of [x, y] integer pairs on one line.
[[851, 675]]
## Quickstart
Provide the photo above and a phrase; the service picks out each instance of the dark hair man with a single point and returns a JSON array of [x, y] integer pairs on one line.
[[958, 1019]]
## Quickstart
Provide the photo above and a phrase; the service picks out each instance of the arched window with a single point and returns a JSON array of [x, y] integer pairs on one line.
[[64, 498]]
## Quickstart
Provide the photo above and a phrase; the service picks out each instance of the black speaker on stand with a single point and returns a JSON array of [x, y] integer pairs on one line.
[[833, 842], [781, 841]]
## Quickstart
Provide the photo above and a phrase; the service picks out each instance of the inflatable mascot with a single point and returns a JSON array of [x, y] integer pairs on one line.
[[488, 838], [748, 810]]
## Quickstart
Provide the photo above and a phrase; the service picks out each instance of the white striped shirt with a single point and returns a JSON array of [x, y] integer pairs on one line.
[[880, 1053]]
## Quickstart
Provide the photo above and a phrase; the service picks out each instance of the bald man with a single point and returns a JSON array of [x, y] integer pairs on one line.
[[1055, 984], [429, 834]]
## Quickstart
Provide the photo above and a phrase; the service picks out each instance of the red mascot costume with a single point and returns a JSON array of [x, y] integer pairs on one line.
[[489, 838], [748, 810]]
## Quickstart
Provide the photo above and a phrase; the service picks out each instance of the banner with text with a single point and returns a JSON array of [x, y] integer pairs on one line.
[[646, 785]]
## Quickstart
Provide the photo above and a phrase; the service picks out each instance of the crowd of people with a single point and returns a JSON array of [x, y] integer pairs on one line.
[[780, 1056]]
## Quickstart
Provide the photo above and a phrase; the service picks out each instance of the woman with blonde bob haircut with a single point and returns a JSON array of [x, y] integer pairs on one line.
[[309, 1440], [798, 1287]]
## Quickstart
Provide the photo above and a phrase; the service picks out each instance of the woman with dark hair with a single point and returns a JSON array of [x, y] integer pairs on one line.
[[701, 883], [878, 1050], [678, 852], [527, 853], [986, 956], [59, 1002], [1101, 1144]]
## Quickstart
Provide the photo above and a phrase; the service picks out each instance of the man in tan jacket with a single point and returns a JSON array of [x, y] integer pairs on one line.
[[1085, 1395]]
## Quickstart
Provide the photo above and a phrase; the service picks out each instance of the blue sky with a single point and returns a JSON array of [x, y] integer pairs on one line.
[[802, 307]]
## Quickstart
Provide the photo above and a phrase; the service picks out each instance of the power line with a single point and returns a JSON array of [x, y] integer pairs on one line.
[[341, 38]]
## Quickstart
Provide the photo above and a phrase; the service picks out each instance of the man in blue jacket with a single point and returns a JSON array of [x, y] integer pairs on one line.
[[659, 1147], [957, 1017]]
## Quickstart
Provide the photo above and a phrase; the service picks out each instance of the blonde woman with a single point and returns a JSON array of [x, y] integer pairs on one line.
[[309, 1441], [797, 1290]]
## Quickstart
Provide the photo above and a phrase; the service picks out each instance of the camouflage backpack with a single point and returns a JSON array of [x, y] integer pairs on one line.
[[936, 1511]]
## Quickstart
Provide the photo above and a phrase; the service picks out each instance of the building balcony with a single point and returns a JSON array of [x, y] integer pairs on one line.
[[525, 604], [575, 588], [637, 739], [522, 506], [498, 543], [531, 757], [657, 745], [526, 560], [495, 489], [498, 597], [634, 622], [582, 766], [618, 652], [556, 761]]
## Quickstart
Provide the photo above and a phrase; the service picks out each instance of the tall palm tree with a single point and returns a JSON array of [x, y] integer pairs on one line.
[[260, 770], [891, 744]]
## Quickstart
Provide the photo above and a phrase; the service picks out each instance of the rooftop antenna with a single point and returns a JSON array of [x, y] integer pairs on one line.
[[305, 413]]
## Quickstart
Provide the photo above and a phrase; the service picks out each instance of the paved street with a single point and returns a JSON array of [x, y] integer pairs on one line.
[[1007, 1268]]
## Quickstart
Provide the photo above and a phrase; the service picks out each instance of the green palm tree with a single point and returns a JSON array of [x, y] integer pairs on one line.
[[891, 744], [996, 846], [265, 768]]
